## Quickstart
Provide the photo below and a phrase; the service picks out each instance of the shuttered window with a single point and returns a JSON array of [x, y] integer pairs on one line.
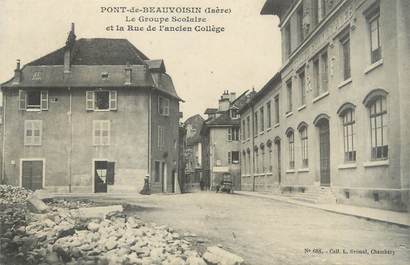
[[32, 132], [101, 100], [161, 137], [33, 99], [101, 132]]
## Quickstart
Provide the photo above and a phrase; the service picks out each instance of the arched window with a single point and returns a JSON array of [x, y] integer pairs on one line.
[[378, 128], [291, 148], [349, 132], [304, 146]]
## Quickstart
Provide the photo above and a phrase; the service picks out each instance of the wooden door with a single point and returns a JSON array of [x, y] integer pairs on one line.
[[32, 175], [324, 147]]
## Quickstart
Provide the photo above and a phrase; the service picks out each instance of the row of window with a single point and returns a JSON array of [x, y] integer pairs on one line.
[[259, 119], [378, 133], [98, 100], [308, 18], [33, 132]]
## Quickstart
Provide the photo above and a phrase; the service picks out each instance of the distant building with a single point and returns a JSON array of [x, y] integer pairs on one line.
[[220, 141], [337, 121], [96, 115], [193, 154]]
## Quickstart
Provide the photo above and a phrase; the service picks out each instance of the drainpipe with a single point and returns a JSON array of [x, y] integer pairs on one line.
[[70, 151], [3, 163]]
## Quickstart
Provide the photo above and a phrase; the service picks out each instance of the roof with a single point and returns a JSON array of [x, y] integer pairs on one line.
[[211, 111], [96, 51], [254, 97], [163, 82], [273, 7], [156, 65], [92, 59], [223, 120]]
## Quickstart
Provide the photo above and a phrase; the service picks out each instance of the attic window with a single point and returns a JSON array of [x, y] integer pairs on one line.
[[234, 113], [104, 75], [36, 76]]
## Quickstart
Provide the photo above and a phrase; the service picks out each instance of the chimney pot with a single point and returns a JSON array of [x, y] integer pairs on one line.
[[18, 64]]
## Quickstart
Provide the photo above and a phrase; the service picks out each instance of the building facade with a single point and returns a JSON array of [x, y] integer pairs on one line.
[[193, 154], [221, 141], [94, 116], [343, 100]]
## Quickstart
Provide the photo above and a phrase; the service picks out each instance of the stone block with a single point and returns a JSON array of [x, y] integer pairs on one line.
[[218, 256]]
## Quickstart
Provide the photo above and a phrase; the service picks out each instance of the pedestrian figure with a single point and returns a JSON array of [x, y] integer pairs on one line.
[[145, 190]]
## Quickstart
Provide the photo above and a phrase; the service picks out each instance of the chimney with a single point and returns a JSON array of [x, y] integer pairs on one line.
[[69, 44], [224, 101], [17, 73], [128, 74]]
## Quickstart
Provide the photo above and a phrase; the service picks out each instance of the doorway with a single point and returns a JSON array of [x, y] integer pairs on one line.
[[32, 174], [100, 176], [324, 150], [278, 154]]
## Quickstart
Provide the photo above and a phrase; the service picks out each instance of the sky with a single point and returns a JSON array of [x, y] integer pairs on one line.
[[202, 64]]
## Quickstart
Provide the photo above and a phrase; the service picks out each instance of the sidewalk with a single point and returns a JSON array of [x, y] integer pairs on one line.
[[399, 218]]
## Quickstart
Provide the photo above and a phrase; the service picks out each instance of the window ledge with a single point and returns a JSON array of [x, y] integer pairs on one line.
[[321, 96], [380, 163], [344, 83], [261, 133], [347, 166], [269, 129], [302, 107], [373, 66], [33, 110], [303, 170], [269, 174], [290, 171], [276, 125], [289, 114]]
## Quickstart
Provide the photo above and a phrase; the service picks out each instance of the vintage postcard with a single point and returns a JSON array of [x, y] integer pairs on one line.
[[213, 132]]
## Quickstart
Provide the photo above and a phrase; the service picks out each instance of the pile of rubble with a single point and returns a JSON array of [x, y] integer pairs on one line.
[[11, 194], [62, 236], [71, 232]]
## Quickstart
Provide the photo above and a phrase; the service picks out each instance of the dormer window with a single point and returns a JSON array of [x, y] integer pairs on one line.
[[234, 114]]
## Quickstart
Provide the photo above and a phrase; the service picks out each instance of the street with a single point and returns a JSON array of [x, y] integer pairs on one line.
[[265, 232]]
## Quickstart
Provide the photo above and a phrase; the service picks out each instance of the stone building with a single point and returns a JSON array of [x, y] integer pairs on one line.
[[193, 154], [340, 125], [94, 116], [220, 141]]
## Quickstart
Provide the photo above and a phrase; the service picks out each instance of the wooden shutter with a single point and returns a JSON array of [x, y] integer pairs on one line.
[[113, 100], [110, 173], [229, 157], [229, 134], [44, 100], [90, 102], [37, 126], [22, 99], [28, 126]]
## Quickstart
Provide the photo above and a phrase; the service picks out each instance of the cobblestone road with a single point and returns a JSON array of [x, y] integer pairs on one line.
[[266, 232]]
